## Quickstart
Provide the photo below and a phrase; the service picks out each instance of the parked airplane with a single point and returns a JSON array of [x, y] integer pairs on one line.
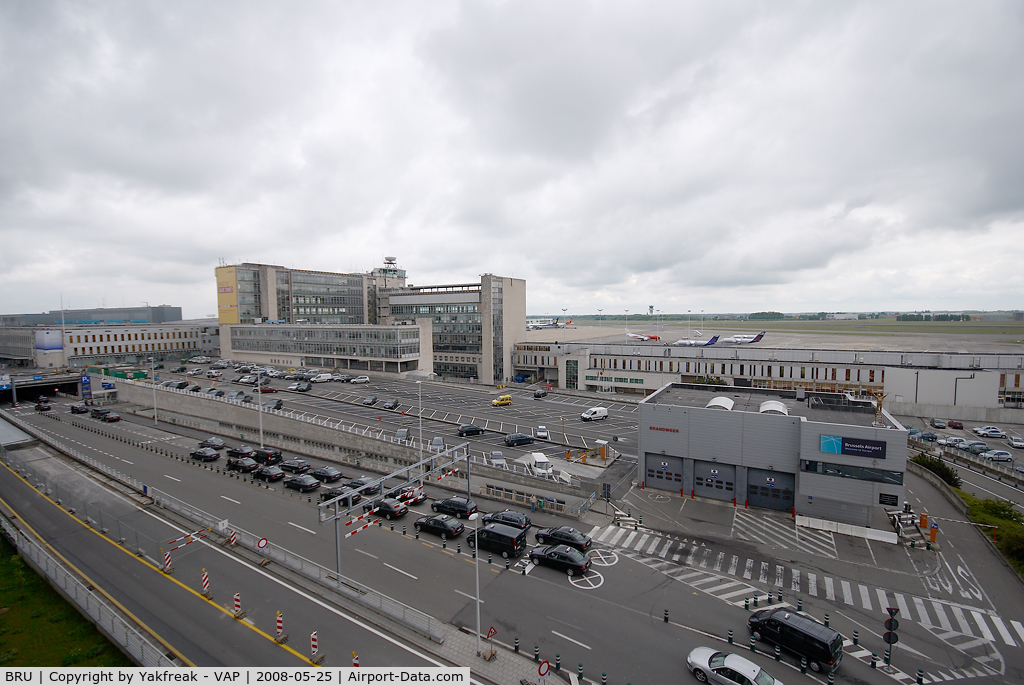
[[552, 324], [743, 339], [696, 343], [643, 336]]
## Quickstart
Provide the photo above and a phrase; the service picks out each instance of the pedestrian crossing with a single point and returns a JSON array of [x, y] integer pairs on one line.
[[780, 530], [734, 579]]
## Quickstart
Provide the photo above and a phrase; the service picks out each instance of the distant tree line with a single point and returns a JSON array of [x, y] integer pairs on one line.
[[767, 316], [933, 317]]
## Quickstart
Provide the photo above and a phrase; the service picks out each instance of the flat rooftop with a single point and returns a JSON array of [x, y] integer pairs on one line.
[[819, 407]]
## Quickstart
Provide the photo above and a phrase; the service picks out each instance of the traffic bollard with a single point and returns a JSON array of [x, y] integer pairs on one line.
[[666, 615], [536, 652], [558, 662], [803, 664], [517, 645], [779, 593], [874, 660], [579, 672], [887, 655], [458, 548], [920, 677], [755, 600], [778, 653], [417, 535], [641, 519], [832, 678], [604, 679], [826, 620], [799, 603], [769, 597], [730, 636], [856, 637], [403, 531], [444, 543], [392, 526], [488, 557], [752, 647], [746, 603], [506, 564]]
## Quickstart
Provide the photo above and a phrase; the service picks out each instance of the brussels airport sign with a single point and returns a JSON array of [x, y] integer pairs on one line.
[[854, 447]]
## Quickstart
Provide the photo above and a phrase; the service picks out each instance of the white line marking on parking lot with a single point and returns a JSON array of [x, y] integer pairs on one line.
[[373, 556], [231, 500], [576, 642], [128, 462], [468, 596], [291, 524], [172, 478], [394, 568]]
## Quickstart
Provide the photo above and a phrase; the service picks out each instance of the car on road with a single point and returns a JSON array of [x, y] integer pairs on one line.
[[997, 455], [509, 518], [562, 557], [388, 507], [195, 372], [241, 451], [99, 412], [236, 395], [1016, 442], [720, 668], [265, 389], [243, 464], [469, 429], [440, 524], [538, 394], [302, 483], [327, 474], [110, 418], [391, 404], [205, 454], [953, 423], [295, 465], [542, 432], [937, 423], [516, 439], [564, 535], [43, 406], [269, 473], [410, 493], [501, 401], [79, 409], [369, 400], [357, 483], [360, 380], [350, 498], [459, 507], [215, 443]]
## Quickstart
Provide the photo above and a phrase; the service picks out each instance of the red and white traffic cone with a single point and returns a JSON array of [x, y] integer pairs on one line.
[[234, 538], [355, 660], [206, 584], [238, 605], [167, 562], [312, 643]]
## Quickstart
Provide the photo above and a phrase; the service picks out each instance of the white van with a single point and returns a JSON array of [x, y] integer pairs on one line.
[[213, 374], [594, 414], [321, 378], [540, 464]]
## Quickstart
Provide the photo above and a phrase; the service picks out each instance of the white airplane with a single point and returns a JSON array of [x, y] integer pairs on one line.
[[642, 336], [696, 343], [553, 324], [743, 339]]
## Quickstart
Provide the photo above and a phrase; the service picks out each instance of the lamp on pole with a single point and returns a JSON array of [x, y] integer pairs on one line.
[[702, 321], [259, 406], [419, 387], [476, 563], [600, 321], [564, 310], [688, 334], [152, 377]]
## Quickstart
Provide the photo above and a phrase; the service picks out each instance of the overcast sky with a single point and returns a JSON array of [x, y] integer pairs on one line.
[[731, 157]]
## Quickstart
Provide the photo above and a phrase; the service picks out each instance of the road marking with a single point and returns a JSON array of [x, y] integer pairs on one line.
[[748, 569], [780, 576], [958, 614], [732, 565], [654, 543], [691, 555], [1003, 632], [763, 578], [940, 613], [718, 562], [796, 581], [865, 597], [883, 601], [172, 478], [985, 632], [629, 539], [901, 602], [291, 524], [236, 502], [128, 462], [374, 556], [394, 568], [1019, 628], [830, 591], [471, 597], [643, 539], [577, 642], [847, 592]]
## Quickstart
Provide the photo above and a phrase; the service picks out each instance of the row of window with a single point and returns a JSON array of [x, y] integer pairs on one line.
[[537, 360], [763, 370], [109, 349], [449, 358], [106, 337], [849, 471]]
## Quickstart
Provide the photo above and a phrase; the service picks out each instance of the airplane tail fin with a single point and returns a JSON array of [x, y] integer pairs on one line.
[[569, 321], [713, 340], [757, 338]]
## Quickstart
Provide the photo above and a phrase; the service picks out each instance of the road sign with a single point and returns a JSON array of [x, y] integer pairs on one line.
[[890, 638], [891, 624], [262, 543], [543, 669], [892, 611], [491, 633]]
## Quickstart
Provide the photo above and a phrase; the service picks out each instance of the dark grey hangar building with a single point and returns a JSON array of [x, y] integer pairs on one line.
[[819, 454]]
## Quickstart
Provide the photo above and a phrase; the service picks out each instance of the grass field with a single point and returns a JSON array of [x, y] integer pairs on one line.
[[39, 628]]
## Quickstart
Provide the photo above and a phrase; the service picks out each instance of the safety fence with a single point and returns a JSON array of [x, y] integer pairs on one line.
[[107, 617]]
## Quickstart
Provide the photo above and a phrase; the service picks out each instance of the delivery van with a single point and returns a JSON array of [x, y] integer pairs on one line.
[[538, 463], [502, 401], [594, 414]]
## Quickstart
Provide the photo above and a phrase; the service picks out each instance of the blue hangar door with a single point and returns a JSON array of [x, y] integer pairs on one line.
[[714, 480], [664, 472], [770, 489]]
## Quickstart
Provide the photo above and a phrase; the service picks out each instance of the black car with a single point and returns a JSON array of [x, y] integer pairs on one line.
[[215, 443], [537, 394], [269, 473], [409, 493], [195, 387], [99, 412], [357, 483], [43, 406], [514, 439], [179, 369], [441, 524], [388, 508], [328, 474], [391, 404], [296, 465], [930, 437], [343, 378], [562, 557], [509, 518], [304, 387], [564, 536], [273, 405], [243, 464], [214, 392], [460, 507], [237, 379], [241, 451], [303, 483], [111, 417], [205, 454], [247, 399], [350, 498], [469, 429], [79, 409], [370, 400]]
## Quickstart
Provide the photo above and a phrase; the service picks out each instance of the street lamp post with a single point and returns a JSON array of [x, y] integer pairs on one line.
[[259, 406], [152, 377], [419, 386], [688, 334], [476, 563], [600, 322]]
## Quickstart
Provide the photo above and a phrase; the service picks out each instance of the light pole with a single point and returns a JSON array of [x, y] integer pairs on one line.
[[600, 321], [476, 563], [259, 406], [564, 310], [152, 377], [702, 322], [688, 333], [419, 386]]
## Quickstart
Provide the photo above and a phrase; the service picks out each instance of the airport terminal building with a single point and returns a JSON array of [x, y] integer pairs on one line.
[[817, 454]]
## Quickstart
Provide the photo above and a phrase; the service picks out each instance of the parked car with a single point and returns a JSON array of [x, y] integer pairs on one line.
[[981, 430], [99, 412], [269, 473], [241, 451], [214, 392], [236, 395], [561, 557], [438, 444], [273, 405], [349, 498], [265, 389], [359, 380], [402, 434], [214, 442], [178, 369], [195, 387], [459, 507], [564, 535], [1016, 442], [515, 439], [441, 524], [542, 432], [978, 448], [966, 445], [469, 429], [327, 474], [195, 372], [388, 508], [79, 409], [937, 423], [952, 423], [951, 441], [997, 455], [538, 394], [927, 436], [303, 386], [509, 518], [243, 464], [362, 482], [409, 493], [994, 433], [302, 483], [391, 404], [205, 454], [710, 666], [296, 465], [369, 400]]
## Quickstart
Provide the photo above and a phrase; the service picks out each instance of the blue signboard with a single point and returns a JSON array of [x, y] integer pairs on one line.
[[37, 377], [854, 447], [86, 387], [108, 386]]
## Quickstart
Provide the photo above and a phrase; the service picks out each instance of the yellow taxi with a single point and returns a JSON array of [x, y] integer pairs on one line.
[[501, 401]]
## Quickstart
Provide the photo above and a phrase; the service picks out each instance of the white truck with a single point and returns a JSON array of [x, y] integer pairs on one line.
[[538, 463], [594, 414]]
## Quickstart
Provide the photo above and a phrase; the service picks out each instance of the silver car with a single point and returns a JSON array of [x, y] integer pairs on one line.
[[711, 666]]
